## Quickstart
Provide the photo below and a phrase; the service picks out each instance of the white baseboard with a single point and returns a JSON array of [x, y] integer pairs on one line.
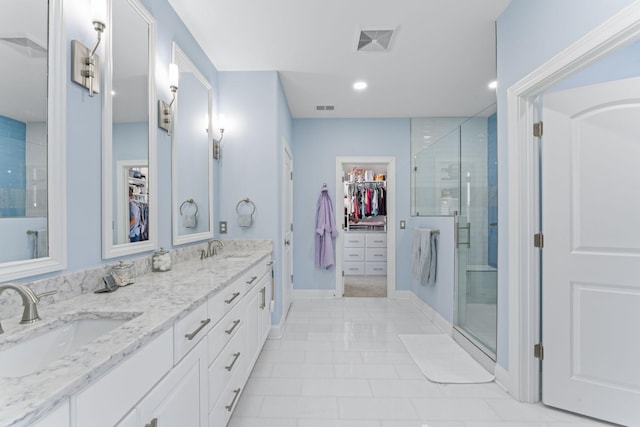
[[314, 293], [403, 294], [442, 323], [277, 330], [502, 377]]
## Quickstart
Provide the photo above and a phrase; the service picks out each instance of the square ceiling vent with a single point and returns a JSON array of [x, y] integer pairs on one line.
[[375, 40], [25, 44]]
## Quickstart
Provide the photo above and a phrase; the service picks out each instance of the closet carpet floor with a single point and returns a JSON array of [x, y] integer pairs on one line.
[[340, 363]]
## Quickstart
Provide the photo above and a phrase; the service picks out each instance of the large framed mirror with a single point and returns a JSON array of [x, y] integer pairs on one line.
[[192, 155], [129, 223], [32, 138]]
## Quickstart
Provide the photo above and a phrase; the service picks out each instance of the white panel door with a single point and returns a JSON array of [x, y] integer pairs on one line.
[[591, 255]]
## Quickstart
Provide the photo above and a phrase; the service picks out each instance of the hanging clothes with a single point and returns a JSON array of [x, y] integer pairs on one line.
[[325, 232]]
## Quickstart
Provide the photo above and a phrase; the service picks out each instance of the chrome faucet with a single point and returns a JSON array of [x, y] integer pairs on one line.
[[214, 245], [29, 301]]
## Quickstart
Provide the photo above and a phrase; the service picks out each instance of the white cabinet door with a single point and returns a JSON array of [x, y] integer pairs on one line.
[[264, 324], [251, 331], [124, 385], [180, 399]]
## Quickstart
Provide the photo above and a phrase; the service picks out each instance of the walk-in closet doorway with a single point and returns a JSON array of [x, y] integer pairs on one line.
[[366, 243]]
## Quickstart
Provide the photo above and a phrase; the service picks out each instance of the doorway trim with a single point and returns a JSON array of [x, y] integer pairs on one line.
[[523, 192], [390, 163], [287, 186]]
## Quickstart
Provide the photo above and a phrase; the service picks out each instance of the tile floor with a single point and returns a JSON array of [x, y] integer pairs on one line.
[[340, 363]]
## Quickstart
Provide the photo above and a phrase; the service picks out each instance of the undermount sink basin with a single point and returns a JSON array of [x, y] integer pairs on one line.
[[238, 255], [33, 354]]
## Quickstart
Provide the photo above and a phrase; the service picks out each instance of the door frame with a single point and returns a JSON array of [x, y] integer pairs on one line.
[[523, 378], [287, 181], [390, 162]]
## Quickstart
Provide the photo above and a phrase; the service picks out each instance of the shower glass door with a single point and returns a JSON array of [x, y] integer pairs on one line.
[[476, 233]]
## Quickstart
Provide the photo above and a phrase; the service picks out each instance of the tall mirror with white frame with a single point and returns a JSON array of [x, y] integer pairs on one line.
[[192, 154], [32, 122], [129, 142]]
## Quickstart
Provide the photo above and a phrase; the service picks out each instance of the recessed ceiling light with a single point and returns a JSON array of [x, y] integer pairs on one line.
[[360, 85], [493, 84]]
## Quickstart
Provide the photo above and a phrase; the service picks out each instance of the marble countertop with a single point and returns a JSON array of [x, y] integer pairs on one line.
[[153, 303]]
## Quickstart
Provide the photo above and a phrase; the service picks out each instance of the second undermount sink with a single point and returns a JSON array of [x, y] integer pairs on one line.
[[33, 354]]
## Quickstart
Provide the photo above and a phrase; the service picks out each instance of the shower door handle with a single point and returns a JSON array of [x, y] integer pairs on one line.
[[459, 227]]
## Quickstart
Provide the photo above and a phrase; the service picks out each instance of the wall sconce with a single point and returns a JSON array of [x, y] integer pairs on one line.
[[217, 143], [166, 110], [85, 65]]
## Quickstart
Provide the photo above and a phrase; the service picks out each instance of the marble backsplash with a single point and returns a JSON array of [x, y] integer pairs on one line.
[[73, 284]]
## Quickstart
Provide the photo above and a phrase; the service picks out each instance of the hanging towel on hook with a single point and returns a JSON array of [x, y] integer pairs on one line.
[[325, 232]]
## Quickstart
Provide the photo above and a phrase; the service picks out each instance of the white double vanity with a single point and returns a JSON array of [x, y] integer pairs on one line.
[[182, 346]]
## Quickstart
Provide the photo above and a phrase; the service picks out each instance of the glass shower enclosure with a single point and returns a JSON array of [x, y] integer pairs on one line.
[[454, 165]]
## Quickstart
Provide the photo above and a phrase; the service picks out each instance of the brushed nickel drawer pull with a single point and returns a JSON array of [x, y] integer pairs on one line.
[[235, 359], [253, 279], [193, 334], [263, 304], [235, 295], [236, 392], [235, 323]]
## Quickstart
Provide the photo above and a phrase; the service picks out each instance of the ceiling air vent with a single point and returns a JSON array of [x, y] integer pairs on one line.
[[25, 44], [374, 40], [325, 107]]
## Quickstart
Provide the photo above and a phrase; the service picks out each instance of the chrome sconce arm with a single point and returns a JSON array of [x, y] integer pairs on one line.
[[165, 110], [217, 145], [85, 64]]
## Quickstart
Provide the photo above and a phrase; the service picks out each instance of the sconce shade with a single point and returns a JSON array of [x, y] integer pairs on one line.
[[99, 11], [174, 75]]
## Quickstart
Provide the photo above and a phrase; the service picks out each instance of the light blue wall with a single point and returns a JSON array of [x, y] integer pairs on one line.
[[258, 120], [84, 127], [529, 34], [316, 144]]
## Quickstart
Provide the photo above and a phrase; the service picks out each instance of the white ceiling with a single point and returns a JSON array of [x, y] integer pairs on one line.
[[440, 61]]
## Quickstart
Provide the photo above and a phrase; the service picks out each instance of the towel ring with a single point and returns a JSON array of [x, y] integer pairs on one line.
[[190, 202], [248, 202]]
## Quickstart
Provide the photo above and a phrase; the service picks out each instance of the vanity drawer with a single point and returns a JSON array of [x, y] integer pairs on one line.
[[376, 254], [223, 301], [376, 240], [189, 331], [225, 330], [354, 240], [227, 402], [354, 268], [376, 268], [230, 360], [253, 276], [353, 254], [107, 400]]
